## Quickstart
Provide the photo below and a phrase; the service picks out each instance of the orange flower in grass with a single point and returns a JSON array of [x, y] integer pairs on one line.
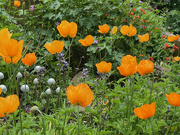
[[29, 59], [15, 59], [17, 3], [146, 111], [8, 105], [143, 38], [87, 41], [145, 67], [103, 28], [173, 99], [55, 47], [80, 94], [172, 38], [128, 65], [5, 35], [67, 29], [114, 30], [104, 67], [128, 30]]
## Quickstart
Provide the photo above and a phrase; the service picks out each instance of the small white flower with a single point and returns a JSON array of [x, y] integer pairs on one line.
[[37, 68], [1, 75], [48, 91], [35, 81], [3, 87], [58, 90], [51, 81], [25, 88], [21, 68], [19, 75]]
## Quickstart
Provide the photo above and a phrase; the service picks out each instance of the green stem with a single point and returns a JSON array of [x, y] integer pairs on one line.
[[6, 125], [171, 122], [152, 126], [44, 128], [47, 103], [151, 88], [20, 119], [78, 120]]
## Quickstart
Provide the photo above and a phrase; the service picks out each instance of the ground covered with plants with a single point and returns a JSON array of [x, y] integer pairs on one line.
[[89, 67]]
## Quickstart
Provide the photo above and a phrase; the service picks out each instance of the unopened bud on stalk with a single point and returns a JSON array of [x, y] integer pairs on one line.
[[34, 109], [19, 75], [21, 68], [25, 88], [48, 91], [43, 95], [37, 68], [58, 90], [51, 81], [160, 94], [23, 5], [36, 81], [1, 75], [3, 87]]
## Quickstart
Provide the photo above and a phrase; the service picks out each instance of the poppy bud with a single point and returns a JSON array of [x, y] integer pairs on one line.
[[51, 81], [3, 87], [25, 88], [21, 68], [23, 5], [35, 81], [37, 68], [34, 109], [48, 91], [43, 95], [19, 75], [58, 90], [1, 75]]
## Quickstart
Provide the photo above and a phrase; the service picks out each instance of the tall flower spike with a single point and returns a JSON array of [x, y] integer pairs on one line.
[[103, 28], [55, 47], [87, 41], [173, 99], [29, 59], [67, 29], [80, 94], [146, 111], [104, 67], [145, 67]]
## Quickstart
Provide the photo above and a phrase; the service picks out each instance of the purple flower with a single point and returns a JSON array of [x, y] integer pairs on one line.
[[97, 48], [169, 28], [140, 1], [96, 41], [32, 7], [57, 23]]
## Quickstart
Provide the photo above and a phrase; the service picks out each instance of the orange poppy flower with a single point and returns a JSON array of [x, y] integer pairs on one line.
[[128, 30], [17, 3], [143, 38], [172, 38], [8, 105], [104, 67], [128, 65], [87, 41], [5, 35], [114, 30], [15, 59], [80, 94], [173, 99], [103, 28], [145, 67], [11, 48], [55, 47], [29, 59], [177, 58], [67, 29], [146, 111]]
